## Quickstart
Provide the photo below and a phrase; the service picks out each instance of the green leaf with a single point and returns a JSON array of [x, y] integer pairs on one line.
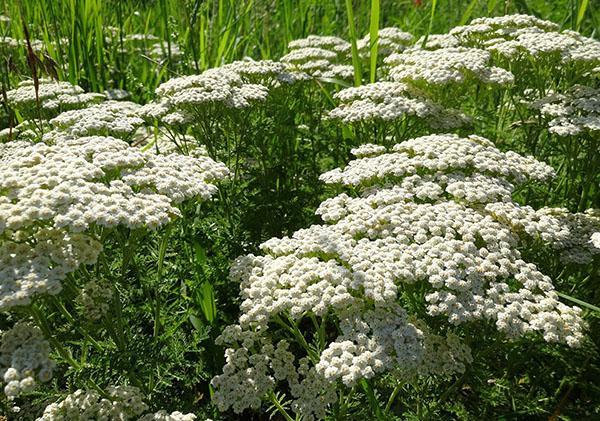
[[374, 38], [355, 57], [581, 13]]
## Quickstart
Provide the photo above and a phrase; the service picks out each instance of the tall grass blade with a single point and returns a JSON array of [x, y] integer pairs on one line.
[[374, 39], [352, 31], [466, 17], [431, 19], [581, 13]]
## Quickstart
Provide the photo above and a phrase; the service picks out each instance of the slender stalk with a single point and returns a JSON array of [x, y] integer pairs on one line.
[[374, 39], [42, 322], [355, 57]]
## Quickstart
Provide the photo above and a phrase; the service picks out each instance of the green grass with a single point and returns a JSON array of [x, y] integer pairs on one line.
[[220, 31]]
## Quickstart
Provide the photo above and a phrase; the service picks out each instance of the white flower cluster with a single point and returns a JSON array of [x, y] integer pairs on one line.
[[332, 43], [182, 99], [25, 131], [566, 46], [9, 43], [54, 97], [418, 220], [121, 403], [36, 264], [148, 45], [165, 416], [95, 298], [320, 56], [110, 118], [522, 36], [15, 45], [500, 26], [436, 41], [390, 40], [266, 72], [98, 180], [446, 153], [116, 94], [595, 239], [569, 233], [443, 66], [391, 102], [24, 359], [140, 38], [372, 342], [160, 51], [253, 367], [4, 19], [571, 113]]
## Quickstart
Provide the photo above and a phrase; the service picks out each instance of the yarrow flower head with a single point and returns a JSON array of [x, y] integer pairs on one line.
[[163, 415], [121, 403], [437, 41], [571, 113], [97, 180], [111, 118], [595, 240], [320, 56], [179, 100], [24, 359], [444, 66], [482, 29], [554, 47], [390, 40], [265, 72], [391, 102], [36, 263], [54, 97]]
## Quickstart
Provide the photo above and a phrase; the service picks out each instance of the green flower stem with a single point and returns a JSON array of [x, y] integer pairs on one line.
[[373, 402], [292, 327], [160, 265], [392, 397], [63, 310], [42, 322]]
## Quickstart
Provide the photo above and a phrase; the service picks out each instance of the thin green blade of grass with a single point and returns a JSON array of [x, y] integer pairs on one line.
[[374, 39], [581, 13], [466, 17], [352, 31], [431, 19]]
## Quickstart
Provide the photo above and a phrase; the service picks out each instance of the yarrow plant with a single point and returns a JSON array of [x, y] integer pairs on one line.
[[417, 244], [110, 118]]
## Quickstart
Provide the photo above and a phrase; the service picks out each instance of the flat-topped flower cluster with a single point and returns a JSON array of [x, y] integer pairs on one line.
[[52, 97], [123, 403], [420, 218], [24, 359], [52, 195], [574, 112], [391, 102]]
